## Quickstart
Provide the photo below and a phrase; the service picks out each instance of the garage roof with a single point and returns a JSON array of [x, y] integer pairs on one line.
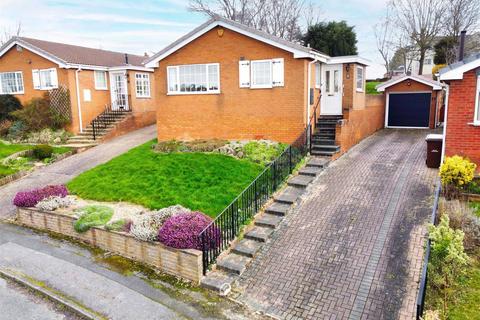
[[427, 81]]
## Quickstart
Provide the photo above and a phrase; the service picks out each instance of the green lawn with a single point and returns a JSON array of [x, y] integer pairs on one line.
[[371, 87], [200, 181], [9, 149]]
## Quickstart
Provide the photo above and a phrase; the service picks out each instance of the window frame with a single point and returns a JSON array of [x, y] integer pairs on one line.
[[476, 117], [97, 86], [264, 86], [45, 88], [143, 79], [177, 76], [16, 82], [362, 88]]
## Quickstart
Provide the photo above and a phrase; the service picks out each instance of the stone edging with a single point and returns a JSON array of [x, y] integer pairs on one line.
[[184, 263], [471, 196], [12, 177]]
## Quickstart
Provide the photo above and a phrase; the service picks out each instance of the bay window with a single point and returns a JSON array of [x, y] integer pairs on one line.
[[194, 79], [142, 85], [11, 83]]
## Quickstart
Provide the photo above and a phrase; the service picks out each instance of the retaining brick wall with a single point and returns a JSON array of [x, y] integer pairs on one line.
[[462, 137], [184, 263]]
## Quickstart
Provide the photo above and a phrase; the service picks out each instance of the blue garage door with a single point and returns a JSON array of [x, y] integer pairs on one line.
[[409, 109]]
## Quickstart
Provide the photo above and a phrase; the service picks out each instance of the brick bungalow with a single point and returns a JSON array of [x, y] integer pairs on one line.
[[95, 79], [229, 81], [462, 123]]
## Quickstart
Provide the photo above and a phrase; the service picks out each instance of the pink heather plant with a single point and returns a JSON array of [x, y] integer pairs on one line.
[[31, 198], [181, 231]]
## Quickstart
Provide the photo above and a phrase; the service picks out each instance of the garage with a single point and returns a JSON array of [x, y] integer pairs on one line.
[[411, 102]]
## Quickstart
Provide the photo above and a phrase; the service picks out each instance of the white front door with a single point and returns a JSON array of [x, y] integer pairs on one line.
[[332, 89], [118, 90]]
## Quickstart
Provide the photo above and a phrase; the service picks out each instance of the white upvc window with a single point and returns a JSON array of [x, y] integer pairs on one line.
[[45, 79], [194, 79], [477, 103], [142, 85], [100, 80], [360, 79], [261, 74], [318, 75], [11, 83]]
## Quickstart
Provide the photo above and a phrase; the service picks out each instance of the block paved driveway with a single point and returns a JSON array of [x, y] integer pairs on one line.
[[353, 248]]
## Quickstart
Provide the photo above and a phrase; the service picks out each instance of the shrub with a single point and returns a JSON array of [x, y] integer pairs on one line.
[[464, 217], [448, 259], [431, 315], [262, 152], [209, 145], [181, 231], [146, 227], [31, 198], [17, 130], [42, 151], [119, 225], [92, 216], [5, 126], [53, 203], [167, 146], [456, 173], [8, 104]]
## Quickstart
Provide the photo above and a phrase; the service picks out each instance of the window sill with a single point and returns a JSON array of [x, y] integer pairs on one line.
[[101, 89], [13, 93], [261, 87], [474, 124], [359, 90], [149, 97], [191, 93]]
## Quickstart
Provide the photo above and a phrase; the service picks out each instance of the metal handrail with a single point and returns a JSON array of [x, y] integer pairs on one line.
[[105, 118]]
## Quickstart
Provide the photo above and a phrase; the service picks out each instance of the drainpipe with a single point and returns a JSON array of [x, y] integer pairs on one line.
[[309, 81], [78, 99], [445, 124]]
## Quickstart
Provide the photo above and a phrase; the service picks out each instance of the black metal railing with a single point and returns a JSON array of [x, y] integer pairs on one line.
[[104, 119], [422, 291]]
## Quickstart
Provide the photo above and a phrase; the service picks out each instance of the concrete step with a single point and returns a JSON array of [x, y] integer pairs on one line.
[[268, 220], [300, 181], [219, 281], [259, 234], [233, 263], [310, 171], [278, 208], [323, 141], [80, 286], [318, 162], [288, 195], [247, 247], [323, 153], [325, 147]]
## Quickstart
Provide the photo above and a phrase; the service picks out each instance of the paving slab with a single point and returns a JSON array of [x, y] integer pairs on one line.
[[88, 289], [289, 195], [247, 247], [300, 181], [268, 220], [259, 234], [234, 263], [320, 162], [219, 281], [278, 208], [310, 171]]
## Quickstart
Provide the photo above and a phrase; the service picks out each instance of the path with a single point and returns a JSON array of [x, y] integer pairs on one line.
[[353, 248], [63, 171]]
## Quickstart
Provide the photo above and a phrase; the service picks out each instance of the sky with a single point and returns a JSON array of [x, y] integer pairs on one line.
[[141, 26]]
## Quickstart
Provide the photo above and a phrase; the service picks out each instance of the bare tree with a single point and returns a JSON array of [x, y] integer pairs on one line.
[[7, 33], [461, 15], [383, 32], [422, 21], [282, 18]]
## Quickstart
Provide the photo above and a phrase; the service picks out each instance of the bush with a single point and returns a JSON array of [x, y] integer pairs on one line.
[[263, 152], [42, 151], [209, 145], [181, 231], [17, 130], [8, 104], [146, 227], [31, 198], [5, 126], [123, 225], [53, 203], [456, 173], [92, 216]]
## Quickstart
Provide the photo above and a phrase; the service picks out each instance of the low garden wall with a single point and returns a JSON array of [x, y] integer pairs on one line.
[[184, 263]]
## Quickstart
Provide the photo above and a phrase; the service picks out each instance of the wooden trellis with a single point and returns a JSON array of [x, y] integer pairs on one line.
[[60, 101]]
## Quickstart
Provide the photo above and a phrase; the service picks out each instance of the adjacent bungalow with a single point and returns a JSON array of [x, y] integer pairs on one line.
[[462, 124], [229, 81], [97, 80]]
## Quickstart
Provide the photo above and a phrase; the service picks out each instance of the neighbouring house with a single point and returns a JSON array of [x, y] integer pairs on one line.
[[229, 81], [462, 123], [98, 81], [412, 102]]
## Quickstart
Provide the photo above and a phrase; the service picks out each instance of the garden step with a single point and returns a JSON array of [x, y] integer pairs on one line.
[[323, 153], [247, 247], [288, 195], [234, 263], [268, 220], [325, 147], [318, 162], [300, 181], [259, 234], [278, 208], [323, 141], [219, 281], [310, 171]]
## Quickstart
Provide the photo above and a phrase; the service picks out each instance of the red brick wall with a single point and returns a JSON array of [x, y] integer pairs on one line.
[[462, 138], [235, 113]]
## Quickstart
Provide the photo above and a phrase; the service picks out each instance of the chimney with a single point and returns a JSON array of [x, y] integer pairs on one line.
[[462, 45], [126, 58]]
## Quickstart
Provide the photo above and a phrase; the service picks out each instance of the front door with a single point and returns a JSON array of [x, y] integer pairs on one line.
[[332, 89], [118, 90]]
